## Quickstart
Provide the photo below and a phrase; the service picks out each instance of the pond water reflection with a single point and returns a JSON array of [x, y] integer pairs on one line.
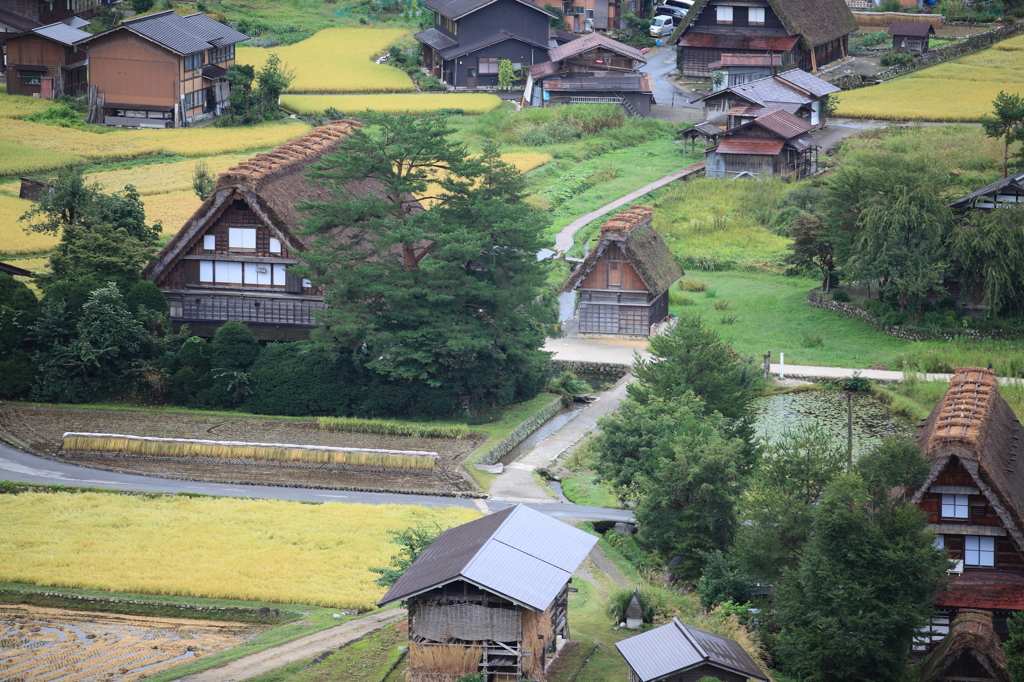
[[871, 420]]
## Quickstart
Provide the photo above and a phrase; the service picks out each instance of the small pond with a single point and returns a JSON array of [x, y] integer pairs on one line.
[[871, 420]]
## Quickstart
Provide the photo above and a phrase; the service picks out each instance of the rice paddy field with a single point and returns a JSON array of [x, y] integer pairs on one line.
[[263, 550], [14, 241], [337, 60], [958, 90], [16, 106], [315, 105]]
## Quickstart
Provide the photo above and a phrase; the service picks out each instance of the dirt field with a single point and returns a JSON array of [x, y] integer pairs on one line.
[[40, 644], [42, 426]]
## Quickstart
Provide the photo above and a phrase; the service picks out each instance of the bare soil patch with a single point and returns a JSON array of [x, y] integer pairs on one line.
[[41, 428], [42, 644]]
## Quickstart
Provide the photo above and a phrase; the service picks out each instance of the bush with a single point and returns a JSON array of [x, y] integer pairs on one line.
[[710, 293], [783, 221], [840, 296], [234, 348], [61, 115], [145, 294], [143, 6], [897, 58], [300, 379], [875, 38], [19, 373], [19, 309], [811, 340], [694, 285], [618, 600], [722, 305], [676, 297]]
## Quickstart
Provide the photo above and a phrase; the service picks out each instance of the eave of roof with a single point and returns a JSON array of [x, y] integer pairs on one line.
[[725, 41], [62, 33], [463, 50], [17, 22], [15, 271], [436, 39], [749, 60], [592, 41], [911, 29], [750, 144], [781, 123], [456, 9], [815, 22], [177, 34], [1014, 181]]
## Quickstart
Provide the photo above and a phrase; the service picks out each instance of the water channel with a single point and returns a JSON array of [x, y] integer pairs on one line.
[[871, 419]]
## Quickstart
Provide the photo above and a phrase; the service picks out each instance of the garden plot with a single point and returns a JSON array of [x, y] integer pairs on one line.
[[42, 428], [41, 644]]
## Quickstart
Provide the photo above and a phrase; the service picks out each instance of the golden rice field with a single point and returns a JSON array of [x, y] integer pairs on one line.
[[18, 158], [14, 240], [265, 550], [471, 103], [337, 60], [958, 90], [171, 209], [17, 106], [526, 161], [161, 178]]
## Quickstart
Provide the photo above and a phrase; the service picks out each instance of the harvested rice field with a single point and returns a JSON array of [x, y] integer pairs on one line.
[[223, 548], [14, 241], [314, 105], [44, 645], [958, 90], [337, 60], [41, 427]]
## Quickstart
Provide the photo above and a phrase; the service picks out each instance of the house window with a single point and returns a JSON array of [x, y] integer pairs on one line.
[[242, 238], [449, 25], [588, 14], [228, 272], [724, 14], [222, 54], [279, 275], [194, 61], [755, 16], [275, 245], [206, 271], [257, 273], [954, 506], [940, 541], [30, 80], [979, 550], [209, 242], [306, 283], [487, 65]]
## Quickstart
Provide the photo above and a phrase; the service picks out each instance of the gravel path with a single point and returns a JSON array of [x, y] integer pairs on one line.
[[296, 650]]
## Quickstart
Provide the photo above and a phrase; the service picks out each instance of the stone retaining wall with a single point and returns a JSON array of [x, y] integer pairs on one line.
[[579, 367], [521, 432], [978, 41]]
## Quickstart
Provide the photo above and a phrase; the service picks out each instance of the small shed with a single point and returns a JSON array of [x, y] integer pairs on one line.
[[634, 611], [633, 92], [738, 69], [493, 595], [1005, 193], [47, 62], [623, 283], [912, 37], [971, 651], [776, 143], [676, 652], [708, 133]]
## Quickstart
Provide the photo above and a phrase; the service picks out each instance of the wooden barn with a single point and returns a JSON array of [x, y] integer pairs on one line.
[[971, 651], [230, 260], [676, 652], [491, 595], [623, 282], [776, 143], [1005, 193], [806, 34], [47, 62], [912, 37], [974, 499]]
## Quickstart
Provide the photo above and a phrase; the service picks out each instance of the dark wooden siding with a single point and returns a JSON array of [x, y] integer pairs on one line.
[[505, 15], [30, 49], [516, 51], [204, 306], [772, 24]]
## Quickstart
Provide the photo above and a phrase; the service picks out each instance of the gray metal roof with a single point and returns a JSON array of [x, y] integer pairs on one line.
[[16, 21], [783, 88], [456, 9], [1015, 182], [493, 39], [520, 554], [62, 33], [592, 41], [184, 35], [805, 81], [436, 39], [675, 647], [75, 22]]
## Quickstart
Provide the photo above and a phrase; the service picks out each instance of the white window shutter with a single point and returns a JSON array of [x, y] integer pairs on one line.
[[724, 14], [209, 242], [206, 271], [275, 245]]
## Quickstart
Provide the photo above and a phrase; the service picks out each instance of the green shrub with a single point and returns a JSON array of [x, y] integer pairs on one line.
[[618, 601], [897, 58], [19, 309], [694, 285], [811, 340], [710, 293], [61, 115], [840, 296], [722, 305], [300, 379], [145, 294], [875, 38], [17, 374], [784, 220], [676, 297], [234, 348], [857, 383]]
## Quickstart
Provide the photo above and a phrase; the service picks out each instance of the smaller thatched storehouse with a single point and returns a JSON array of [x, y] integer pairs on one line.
[[623, 283], [491, 596], [971, 651], [676, 652]]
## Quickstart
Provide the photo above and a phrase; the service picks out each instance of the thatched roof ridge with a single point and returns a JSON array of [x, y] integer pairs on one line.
[[647, 252], [971, 634], [975, 425], [815, 21]]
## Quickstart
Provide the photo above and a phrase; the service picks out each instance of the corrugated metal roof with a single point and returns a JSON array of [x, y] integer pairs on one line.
[[1015, 182], [183, 35], [782, 123], [812, 84], [469, 48], [732, 41], [75, 22], [592, 41], [62, 33], [911, 29], [615, 83], [436, 39], [456, 9], [748, 144], [675, 647], [518, 553], [541, 70]]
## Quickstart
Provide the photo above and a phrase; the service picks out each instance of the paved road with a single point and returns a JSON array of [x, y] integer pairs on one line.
[[660, 62], [16, 465]]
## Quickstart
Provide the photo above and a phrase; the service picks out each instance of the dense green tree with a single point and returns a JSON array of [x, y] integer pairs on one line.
[[724, 579], [234, 348], [19, 309], [777, 506], [411, 542], [273, 79], [1006, 123], [145, 294], [867, 578], [72, 294], [461, 328], [990, 247], [303, 379], [241, 77], [97, 253], [812, 247], [1014, 647]]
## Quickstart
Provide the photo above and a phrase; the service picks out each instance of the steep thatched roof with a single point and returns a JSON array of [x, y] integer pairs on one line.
[[815, 21], [973, 424], [971, 635], [647, 252]]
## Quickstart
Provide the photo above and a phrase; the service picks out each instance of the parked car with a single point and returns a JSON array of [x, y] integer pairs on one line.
[[663, 25], [669, 11], [684, 5]]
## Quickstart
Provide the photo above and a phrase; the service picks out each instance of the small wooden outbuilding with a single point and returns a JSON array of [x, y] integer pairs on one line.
[[47, 62], [623, 283], [912, 37], [971, 651], [738, 69], [1005, 193], [676, 652], [776, 143], [706, 132], [492, 596]]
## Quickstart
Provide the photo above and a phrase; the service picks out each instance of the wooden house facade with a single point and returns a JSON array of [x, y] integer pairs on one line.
[[494, 593], [162, 70], [805, 34], [676, 652], [623, 282], [47, 62], [593, 15], [776, 143], [911, 37], [230, 260], [470, 37], [974, 499], [737, 69]]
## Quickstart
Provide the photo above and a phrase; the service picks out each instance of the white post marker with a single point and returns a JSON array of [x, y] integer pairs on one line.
[[782, 365]]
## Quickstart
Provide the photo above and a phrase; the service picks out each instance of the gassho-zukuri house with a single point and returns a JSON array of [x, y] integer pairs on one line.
[[230, 260], [493, 593]]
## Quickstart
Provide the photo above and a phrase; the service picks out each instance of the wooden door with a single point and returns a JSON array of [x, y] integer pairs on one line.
[[471, 77], [614, 275]]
